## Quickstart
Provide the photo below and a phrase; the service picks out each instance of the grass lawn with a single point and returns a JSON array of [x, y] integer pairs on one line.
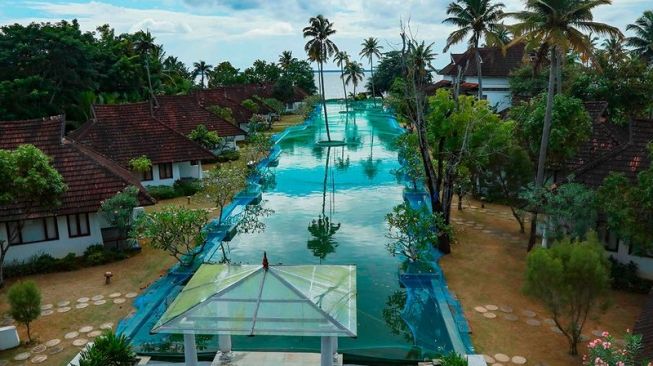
[[486, 268], [287, 120], [130, 275]]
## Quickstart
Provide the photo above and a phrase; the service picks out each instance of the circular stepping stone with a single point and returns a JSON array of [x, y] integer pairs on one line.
[[47, 307], [511, 317], [487, 231], [99, 302], [22, 356], [56, 349], [502, 357], [106, 326], [492, 307], [97, 297], [549, 321], [497, 364], [47, 312], [528, 313], [62, 304], [71, 335], [130, 295], [81, 305], [80, 342], [39, 359], [533, 322], [115, 294], [490, 315], [518, 360], [555, 329], [85, 329], [597, 333], [488, 359], [64, 309], [38, 349], [94, 333], [52, 342], [480, 309], [505, 309], [119, 301], [83, 299]]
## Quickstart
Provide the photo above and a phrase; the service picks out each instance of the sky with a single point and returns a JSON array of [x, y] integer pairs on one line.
[[242, 31]]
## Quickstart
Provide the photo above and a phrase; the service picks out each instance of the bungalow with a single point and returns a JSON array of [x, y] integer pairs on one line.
[[126, 131], [614, 148], [495, 70], [91, 178]]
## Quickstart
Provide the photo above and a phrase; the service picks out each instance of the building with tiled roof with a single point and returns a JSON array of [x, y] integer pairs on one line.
[[122, 132], [496, 68], [90, 177]]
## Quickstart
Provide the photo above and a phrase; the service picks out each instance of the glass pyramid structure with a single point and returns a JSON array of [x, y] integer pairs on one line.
[[306, 300]]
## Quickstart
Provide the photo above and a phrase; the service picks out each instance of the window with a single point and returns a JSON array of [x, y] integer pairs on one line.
[[78, 225], [165, 171], [33, 231], [147, 175], [193, 162]]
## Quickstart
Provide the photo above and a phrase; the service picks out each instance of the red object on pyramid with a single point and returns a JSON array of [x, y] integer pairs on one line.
[[266, 265]]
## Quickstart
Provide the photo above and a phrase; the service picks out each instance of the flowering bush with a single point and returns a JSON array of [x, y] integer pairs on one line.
[[603, 351]]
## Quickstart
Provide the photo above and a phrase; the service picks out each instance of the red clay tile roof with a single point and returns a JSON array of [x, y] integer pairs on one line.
[[90, 177], [464, 87], [495, 63], [183, 113], [122, 132], [644, 327]]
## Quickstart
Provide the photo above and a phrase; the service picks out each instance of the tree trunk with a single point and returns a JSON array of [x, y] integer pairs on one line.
[[546, 130], [326, 119], [29, 333], [559, 72], [372, 80], [3, 253], [460, 202], [344, 87], [478, 70]]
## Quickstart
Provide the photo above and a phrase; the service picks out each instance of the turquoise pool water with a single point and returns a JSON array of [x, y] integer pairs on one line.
[[329, 206]]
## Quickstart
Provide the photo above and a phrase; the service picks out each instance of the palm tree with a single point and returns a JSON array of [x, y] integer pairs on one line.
[[613, 49], [319, 49], [342, 58], [201, 68], [285, 60], [143, 45], [370, 49], [557, 26], [642, 41], [354, 74], [477, 19]]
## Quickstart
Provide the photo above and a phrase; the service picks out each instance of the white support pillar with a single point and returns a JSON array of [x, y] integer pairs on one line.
[[224, 344], [190, 350], [334, 349], [326, 354]]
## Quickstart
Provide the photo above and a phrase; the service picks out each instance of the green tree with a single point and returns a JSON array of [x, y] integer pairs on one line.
[[250, 105], [571, 279], [201, 69], [224, 74], [28, 178], [642, 41], [144, 46], [262, 72], [320, 49], [119, 210], [388, 70], [174, 229], [412, 231], [341, 59], [208, 139], [411, 164], [220, 184], [24, 304], [370, 49], [354, 74], [556, 26], [140, 164], [109, 349], [477, 19], [285, 60]]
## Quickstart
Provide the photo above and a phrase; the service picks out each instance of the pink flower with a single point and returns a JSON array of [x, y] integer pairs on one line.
[[605, 334], [606, 345], [620, 363]]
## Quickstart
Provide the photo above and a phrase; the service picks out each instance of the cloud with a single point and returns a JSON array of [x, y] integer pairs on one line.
[[161, 26]]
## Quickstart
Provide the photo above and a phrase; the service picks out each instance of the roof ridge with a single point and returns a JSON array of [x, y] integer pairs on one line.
[[590, 164], [179, 134]]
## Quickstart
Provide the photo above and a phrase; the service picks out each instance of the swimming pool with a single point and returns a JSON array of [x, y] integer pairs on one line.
[[328, 205]]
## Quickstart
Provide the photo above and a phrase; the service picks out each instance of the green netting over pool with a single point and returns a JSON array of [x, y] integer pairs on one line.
[[304, 300]]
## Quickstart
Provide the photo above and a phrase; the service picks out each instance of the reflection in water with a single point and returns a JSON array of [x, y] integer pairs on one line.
[[323, 229], [343, 163], [394, 306], [371, 166]]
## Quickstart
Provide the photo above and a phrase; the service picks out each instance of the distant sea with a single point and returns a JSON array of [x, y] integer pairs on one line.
[[333, 84]]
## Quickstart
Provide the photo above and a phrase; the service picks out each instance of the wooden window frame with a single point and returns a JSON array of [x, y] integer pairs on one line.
[[45, 231], [163, 168], [78, 226]]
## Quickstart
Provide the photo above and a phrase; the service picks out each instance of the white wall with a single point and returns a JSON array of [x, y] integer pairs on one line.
[[501, 99], [645, 264], [56, 248], [176, 174], [186, 170]]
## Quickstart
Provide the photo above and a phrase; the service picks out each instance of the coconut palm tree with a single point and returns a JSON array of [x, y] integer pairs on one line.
[[354, 74], [642, 41], [477, 19], [341, 59], [285, 60], [144, 45], [613, 49], [201, 68], [370, 49], [320, 49], [557, 26]]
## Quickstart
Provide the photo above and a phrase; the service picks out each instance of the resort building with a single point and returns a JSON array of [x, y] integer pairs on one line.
[[124, 132], [496, 67], [90, 177]]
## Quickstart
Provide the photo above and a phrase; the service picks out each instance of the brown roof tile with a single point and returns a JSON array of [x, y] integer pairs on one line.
[[183, 113], [90, 177], [495, 63]]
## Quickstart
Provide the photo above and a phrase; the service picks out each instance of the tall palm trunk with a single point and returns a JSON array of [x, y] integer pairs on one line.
[[546, 130], [558, 73], [477, 55], [372, 80], [344, 87], [202, 80], [326, 118]]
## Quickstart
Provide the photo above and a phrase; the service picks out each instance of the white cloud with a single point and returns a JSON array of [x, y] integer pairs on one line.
[[161, 26]]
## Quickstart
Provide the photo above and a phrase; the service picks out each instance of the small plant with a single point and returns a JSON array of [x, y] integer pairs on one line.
[[109, 350], [453, 359], [118, 210], [250, 105], [603, 351], [223, 112], [210, 140], [25, 304], [140, 164]]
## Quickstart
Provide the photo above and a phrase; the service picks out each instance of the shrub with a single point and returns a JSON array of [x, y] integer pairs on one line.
[[624, 277], [25, 304], [187, 187], [68, 263], [228, 155], [603, 351], [161, 192], [140, 164], [250, 104], [109, 349]]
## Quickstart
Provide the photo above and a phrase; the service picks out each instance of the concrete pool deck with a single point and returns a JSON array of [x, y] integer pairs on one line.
[[263, 359]]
